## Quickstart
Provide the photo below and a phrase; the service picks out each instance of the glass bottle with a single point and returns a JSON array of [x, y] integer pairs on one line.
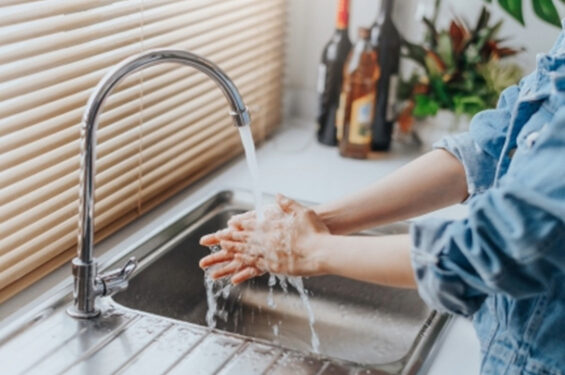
[[357, 100], [386, 41], [330, 76]]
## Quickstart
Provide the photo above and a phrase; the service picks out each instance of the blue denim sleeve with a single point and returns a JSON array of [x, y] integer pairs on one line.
[[511, 242], [479, 149]]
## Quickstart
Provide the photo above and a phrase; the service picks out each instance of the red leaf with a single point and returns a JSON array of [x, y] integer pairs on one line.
[[459, 36]]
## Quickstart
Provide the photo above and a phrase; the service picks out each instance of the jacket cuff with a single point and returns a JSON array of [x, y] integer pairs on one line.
[[479, 166], [439, 285]]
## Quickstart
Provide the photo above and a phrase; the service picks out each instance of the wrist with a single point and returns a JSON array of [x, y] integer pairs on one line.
[[316, 248], [331, 217], [322, 212]]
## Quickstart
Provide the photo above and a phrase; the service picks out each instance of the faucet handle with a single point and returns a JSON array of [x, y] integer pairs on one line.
[[117, 280]]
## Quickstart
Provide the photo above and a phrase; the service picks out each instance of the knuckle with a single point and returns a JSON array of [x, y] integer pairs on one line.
[[309, 213]]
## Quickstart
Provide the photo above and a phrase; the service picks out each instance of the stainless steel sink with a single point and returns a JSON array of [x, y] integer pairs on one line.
[[376, 327]]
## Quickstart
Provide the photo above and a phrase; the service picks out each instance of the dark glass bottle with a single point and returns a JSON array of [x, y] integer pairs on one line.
[[357, 101], [386, 40], [330, 75]]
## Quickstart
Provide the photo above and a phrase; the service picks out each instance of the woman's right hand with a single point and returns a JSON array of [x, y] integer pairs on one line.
[[284, 242]]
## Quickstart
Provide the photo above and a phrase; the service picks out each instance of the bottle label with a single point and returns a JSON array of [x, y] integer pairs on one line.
[[340, 115], [361, 118], [391, 100], [342, 14], [321, 85]]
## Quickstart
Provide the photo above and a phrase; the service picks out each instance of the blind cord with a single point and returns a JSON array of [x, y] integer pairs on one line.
[[140, 117]]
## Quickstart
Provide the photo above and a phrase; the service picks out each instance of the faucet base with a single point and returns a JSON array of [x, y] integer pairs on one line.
[[78, 314], [87, 287]]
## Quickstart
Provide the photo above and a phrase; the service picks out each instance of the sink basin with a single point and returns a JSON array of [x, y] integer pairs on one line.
[[369, 325]]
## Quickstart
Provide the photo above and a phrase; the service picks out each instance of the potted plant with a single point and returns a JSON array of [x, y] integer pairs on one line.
[[462, 71]]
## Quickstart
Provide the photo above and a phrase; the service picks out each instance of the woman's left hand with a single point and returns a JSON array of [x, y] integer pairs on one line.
[[283, 242]]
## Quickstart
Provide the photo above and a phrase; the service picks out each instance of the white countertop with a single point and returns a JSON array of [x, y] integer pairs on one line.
[[294, 164]]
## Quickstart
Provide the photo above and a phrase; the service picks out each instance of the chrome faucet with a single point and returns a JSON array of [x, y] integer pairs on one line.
[[88, 284]]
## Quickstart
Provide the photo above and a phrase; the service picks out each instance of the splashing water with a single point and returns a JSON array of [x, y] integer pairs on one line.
[[270, 298], [284, 240], [298, 284], [211, 300], [223, 287], [251, 157], [215, 289]]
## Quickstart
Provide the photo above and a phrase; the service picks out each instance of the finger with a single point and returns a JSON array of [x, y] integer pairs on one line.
[[235, 220], [209, 240], [255, 261], [219, 257], [263, 265], [239, 236], [245, 274], [246, 259], [288, 205], [215, 238], [231, 268], [230, 234], [232, 246], [248, 224]]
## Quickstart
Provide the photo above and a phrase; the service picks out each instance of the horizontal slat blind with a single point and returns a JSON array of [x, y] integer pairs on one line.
[[161, 129]]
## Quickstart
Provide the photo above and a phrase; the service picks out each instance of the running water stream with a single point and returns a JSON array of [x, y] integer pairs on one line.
[[251, 158], [215, 289]]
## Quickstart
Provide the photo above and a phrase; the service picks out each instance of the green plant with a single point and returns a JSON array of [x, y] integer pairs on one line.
[[462, 68], [544, 9]]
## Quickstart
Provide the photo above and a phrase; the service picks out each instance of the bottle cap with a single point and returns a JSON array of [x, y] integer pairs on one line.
[[342, 15]]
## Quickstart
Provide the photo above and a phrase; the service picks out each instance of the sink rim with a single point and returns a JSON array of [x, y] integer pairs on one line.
[[418, 357], [420, 352]]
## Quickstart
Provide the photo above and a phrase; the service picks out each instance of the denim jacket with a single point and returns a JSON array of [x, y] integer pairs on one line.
[[504, 264]]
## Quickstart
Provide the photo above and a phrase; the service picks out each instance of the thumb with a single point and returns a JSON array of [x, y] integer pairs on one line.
[[288, 205]]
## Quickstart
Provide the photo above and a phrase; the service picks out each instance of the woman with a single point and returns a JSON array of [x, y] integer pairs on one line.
[[503, 265]]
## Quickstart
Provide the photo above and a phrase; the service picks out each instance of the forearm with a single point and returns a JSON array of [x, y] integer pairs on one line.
[[381, 260], [432, 181]]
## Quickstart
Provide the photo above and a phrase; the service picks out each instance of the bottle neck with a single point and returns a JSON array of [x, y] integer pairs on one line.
[[342, 20], [386, 9]]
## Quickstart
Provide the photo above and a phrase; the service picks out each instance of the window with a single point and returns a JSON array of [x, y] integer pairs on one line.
[[161, 129]]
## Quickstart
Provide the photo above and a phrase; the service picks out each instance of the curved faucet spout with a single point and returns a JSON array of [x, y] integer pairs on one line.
[[87, 284]]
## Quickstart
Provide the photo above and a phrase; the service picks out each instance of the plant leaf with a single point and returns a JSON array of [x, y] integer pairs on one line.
[[485, 42], [439, 88], [459, 36], [468, 104], [425, 106], [432, 32], [482, 22], [514, 8], [415, 52], [545, 9], [434, 64], [445, 50]]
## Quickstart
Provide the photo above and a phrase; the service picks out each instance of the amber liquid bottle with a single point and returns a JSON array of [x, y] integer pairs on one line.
[[357, 100], [330, 76]]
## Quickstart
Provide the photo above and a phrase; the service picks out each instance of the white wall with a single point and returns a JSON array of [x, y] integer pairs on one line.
[[311, 23]]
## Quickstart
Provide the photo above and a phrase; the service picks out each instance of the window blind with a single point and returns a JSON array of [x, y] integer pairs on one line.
[[161, 129]]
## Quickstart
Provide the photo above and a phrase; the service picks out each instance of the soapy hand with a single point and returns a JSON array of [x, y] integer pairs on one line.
[[282, 243]]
